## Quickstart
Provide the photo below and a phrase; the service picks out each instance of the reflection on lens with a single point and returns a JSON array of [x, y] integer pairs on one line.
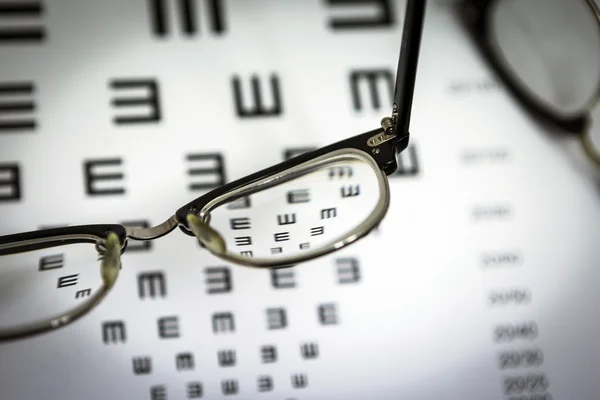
[[552, 48], [298, 217], [41, 284]]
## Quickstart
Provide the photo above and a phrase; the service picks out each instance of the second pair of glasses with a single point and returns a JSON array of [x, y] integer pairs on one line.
[[547, 53]]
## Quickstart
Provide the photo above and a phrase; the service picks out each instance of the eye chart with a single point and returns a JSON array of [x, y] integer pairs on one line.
[[482, 282]]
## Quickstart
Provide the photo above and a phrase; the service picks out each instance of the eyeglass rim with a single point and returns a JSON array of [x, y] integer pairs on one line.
[[45, 238], [57, 321], [384, 155], [361, 230]]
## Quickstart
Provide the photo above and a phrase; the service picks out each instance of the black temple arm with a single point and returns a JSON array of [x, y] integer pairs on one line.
[[407, 65]]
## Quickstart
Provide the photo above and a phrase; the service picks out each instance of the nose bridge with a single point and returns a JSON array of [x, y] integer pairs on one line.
[[153, 232]]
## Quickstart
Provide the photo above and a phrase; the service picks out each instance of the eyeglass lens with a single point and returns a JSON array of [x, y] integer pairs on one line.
[[552, 48], [42, 284], [299, 215]]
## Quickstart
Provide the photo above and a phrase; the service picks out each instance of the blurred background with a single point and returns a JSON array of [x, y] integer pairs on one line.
[[481, 282]]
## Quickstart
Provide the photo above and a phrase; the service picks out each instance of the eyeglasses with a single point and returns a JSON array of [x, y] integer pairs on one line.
[[547, 53], [295, 211]]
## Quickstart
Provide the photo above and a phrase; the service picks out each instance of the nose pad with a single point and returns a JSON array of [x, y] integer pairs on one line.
[[111, 259], [208, 237]]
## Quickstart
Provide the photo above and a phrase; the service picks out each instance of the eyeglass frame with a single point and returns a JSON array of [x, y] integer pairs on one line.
[[377, 147], [475, 16]]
